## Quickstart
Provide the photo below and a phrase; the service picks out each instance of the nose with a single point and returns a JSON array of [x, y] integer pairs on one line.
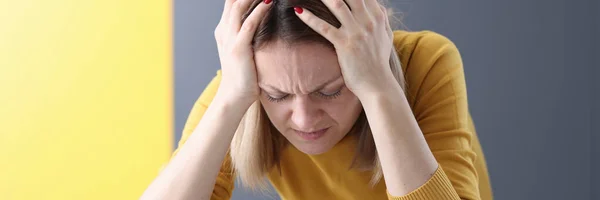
[[305, 114]]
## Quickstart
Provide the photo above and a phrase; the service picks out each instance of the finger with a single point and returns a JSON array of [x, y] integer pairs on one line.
[[341, 12], [326, 30], [251, 23], [238, 8], [373, 8], [226, 9], [358, 9], [388, 26]]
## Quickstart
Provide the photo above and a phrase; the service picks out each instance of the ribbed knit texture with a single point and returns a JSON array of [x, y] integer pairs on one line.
[[438, 187]]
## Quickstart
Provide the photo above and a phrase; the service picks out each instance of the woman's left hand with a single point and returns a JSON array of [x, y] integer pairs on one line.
[[363, 43]]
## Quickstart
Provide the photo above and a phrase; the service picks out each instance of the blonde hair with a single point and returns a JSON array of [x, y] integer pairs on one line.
[[256, 145]]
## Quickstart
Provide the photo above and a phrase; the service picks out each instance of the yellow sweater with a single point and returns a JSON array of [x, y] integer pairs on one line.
[[437, 94]]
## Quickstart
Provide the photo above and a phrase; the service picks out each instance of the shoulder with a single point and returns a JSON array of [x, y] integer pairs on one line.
[[418, 37], [421, 46], [429, 60]]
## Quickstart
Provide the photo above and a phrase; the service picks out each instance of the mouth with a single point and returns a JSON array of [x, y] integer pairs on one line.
[[312, 135]]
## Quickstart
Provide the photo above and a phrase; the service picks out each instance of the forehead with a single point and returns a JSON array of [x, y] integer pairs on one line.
[[279, 63]]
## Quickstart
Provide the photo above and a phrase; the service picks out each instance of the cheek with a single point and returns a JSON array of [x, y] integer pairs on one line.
[[345, 110], [277, 112]]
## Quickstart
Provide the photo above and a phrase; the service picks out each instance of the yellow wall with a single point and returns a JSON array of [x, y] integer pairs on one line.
[[85, 97]]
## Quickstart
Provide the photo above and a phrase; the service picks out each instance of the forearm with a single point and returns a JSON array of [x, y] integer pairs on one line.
[[406, 160], [193, 171]]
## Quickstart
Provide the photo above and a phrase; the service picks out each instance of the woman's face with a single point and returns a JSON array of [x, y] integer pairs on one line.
[[303, 93]]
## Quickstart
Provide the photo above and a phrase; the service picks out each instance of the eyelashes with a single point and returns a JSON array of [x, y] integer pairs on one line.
[[329, 96], [319, 94], [276, 100]]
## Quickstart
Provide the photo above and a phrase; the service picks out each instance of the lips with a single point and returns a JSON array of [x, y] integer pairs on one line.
[[309, 132], [312, 135]]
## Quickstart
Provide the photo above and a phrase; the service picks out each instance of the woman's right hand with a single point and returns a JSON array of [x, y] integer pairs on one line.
[[234, 40]]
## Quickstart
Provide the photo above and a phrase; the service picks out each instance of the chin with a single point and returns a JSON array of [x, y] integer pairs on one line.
[[316, 147]]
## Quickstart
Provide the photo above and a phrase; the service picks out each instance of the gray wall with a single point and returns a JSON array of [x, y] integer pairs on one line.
[[532, 84], [595, 134]]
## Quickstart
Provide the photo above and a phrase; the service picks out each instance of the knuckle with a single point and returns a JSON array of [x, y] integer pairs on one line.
[[338, 4], [380, 16], [358, 37], [325, 28], [370, 26]]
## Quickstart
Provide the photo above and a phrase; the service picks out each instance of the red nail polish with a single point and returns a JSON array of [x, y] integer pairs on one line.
[[299, 10], [267, 1]]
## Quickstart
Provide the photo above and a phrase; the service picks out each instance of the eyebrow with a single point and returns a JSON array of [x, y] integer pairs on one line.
[[320, 87]]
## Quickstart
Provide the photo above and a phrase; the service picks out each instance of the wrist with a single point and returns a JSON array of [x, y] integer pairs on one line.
[[388, 91], [232, 102], [380, 85]]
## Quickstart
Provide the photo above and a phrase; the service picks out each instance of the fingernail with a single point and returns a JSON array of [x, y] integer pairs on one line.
[[299, 10], [267, 1]]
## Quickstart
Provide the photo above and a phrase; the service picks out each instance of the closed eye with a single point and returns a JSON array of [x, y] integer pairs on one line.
[[323, 95], [330, 95], [277, 99]]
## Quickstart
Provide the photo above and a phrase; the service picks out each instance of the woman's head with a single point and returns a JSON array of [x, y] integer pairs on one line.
[[303, 94], [303, 100]]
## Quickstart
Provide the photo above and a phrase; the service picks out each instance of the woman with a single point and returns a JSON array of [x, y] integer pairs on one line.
[[325, 100]]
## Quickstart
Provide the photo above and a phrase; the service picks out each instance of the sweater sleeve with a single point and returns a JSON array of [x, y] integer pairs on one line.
[[437, 187], [437, 92], [225, 179]]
